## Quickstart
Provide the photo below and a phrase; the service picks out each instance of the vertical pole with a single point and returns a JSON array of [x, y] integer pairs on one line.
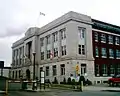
[[81, 86], [44, 80], [6, 88], [40, 80], [33, 70]]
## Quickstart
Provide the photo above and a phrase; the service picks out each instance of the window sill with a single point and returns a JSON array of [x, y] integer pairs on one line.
[[103, 42], [104, 57]]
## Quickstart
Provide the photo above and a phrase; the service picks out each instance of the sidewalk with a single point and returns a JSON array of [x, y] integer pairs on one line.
[[101, 88]]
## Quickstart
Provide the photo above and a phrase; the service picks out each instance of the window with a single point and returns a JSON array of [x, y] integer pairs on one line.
[[48, 39], [48, 54], [42, 41], [96, 52], [63, 48], [104, 70], [13, 75], [41, 69], [96, 36], [42, 55], [110, 39], [112, 70], [47, 71], [16, 75], [81, 49], [111, 53], [19, 73], [117, 40], [62, 66], [54, 70], [83, 69], [103, 38], [55, 52], [118, 68], [104, 54], [55, 36], [81, 32], [63, 33], [117, 54], [97, 70]]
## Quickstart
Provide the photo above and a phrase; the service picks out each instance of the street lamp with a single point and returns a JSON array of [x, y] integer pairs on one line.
[[33, 69]]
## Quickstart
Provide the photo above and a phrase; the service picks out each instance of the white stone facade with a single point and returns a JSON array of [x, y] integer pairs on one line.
[[68, 28]]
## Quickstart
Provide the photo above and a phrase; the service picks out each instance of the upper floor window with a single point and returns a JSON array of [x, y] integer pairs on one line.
[[117, 40], [48, 54], [63, 33], [81, 49], [110, 39], [48, 39], [96, 36], [55, 52], [111, 53], [104, 54], [55, 36], [117, 53], [63, 48], [42, 55], [103, 38], [96, 52], [42, 41], [81, 32]]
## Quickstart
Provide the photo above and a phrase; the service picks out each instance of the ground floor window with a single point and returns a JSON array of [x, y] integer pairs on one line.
[[47, 71], [118, 69], [97, 70], [112, 69], [83, 69], [54, 70], [62, 66]]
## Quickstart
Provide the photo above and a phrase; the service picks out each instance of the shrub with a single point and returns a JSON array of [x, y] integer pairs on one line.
[[73, 82], [64, 81], [69, 81], [55, 81]]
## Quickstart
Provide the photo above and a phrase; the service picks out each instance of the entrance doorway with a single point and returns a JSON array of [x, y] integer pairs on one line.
[[83, 69], [27, 74]]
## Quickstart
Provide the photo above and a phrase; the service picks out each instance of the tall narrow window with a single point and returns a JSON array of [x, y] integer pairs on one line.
[[118, 54], [55, 36], [96, 52], [54, 70], [104, 54], [48, 39], [117, 40], [63, 48], [42, 41], [118, 68], [55, 52], [83, 49], [97, 69], [48, 54], [110, 39], [112, 69], [103, 38], [62, 66], [104, 70], [81, 32], [96, 36], [63, 33], [111, 53], [42, 55], [47, 71]]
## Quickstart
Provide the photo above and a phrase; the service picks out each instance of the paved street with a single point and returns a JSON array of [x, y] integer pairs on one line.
[[56, 92]]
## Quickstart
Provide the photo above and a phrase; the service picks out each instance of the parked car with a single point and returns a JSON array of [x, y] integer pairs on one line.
[[115, 80]]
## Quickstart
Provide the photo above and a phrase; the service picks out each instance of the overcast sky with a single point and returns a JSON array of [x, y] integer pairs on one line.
[[16, 16]]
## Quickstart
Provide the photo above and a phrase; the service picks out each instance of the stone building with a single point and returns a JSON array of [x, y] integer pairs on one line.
[[72, 44]]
